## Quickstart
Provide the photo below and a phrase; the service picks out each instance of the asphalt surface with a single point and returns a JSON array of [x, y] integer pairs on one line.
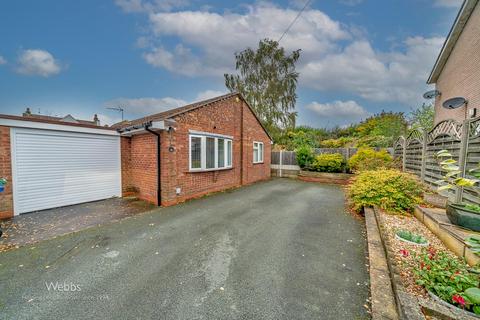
[[281, 249]]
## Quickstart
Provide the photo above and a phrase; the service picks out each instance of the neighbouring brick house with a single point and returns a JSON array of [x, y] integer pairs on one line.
[[457, 69], [212, 145], [164, 158]]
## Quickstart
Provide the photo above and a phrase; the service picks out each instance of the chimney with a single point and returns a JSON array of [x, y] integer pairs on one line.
[[96, 120], [27, 112]]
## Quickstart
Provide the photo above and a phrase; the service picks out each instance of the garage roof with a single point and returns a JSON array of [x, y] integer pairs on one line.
[[52, 121]]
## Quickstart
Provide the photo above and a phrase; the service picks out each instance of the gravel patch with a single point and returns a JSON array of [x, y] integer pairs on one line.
[[404, 252]]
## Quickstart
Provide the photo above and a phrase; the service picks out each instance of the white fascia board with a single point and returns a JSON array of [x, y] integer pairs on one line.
[[56, 127], [202, 133], [156, 125]]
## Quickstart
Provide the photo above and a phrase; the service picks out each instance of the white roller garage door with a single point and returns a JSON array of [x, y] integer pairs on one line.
[[54, 168]]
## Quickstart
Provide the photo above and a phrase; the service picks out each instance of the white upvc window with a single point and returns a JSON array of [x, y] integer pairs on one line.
[[257, 152], [210, 152]]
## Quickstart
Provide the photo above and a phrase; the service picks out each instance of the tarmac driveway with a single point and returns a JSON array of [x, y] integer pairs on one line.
[[281, 249]]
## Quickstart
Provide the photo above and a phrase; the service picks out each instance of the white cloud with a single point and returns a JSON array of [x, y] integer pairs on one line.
[[351, 2], [334, 57], [145, 106], [37, 62], [207, 94], [343, 111], [150, 6], [2, 60], [448, 3], [216, 37], [376, 76], [139, 107]]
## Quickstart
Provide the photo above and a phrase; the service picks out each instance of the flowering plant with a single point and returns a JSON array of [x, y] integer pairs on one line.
[[448, 277]]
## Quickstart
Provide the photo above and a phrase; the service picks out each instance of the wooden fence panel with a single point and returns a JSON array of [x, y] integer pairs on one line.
[[472, 160], [398, 147], [413, 152]]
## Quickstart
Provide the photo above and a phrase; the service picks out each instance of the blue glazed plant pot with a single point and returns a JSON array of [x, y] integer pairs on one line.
[[2, 188]]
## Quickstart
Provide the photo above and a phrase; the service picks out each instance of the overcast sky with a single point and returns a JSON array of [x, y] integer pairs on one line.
[[79, 57]]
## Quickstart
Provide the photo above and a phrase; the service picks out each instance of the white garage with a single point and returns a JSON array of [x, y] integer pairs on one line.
[[54, 168]]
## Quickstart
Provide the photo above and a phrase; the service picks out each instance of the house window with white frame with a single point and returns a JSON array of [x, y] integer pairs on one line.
[[210, 152], [257, 152]]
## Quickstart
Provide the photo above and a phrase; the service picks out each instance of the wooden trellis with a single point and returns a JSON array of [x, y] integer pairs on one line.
[[417, 153]]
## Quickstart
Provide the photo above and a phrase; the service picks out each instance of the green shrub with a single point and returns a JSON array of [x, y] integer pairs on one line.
[[326, 162], [304, 156], [369, 159], [389, 189]]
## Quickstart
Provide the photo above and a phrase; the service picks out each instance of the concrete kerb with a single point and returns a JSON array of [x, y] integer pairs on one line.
[[407, 305], [383, 300]]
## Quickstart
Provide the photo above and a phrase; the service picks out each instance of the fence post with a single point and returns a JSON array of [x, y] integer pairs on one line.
[[462, 158], [280, 166], [424, 157], [404, 154]]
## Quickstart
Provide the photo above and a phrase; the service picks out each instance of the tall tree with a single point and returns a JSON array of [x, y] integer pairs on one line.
[[268, 81], [422, 117]]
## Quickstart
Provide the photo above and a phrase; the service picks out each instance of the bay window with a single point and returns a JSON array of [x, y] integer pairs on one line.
[[210, 152]]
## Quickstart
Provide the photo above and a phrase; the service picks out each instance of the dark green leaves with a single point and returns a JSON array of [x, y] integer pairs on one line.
[[268, 81]]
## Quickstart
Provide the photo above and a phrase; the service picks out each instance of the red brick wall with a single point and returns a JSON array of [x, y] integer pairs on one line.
[[252, 131], [223, 117], [460, 76], [126, 160], [6, 198], [139, 166]]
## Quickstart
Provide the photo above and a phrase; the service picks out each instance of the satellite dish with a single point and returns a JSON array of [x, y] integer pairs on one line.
[[454, 103], [431, 94]]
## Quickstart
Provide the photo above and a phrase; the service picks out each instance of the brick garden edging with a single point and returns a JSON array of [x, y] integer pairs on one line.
[[325, 177]]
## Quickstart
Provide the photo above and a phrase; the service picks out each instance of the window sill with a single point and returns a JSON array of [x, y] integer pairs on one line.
[[208, 170], [259, 162]]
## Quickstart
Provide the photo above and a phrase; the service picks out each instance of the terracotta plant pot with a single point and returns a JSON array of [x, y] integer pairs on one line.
[[460, 216]]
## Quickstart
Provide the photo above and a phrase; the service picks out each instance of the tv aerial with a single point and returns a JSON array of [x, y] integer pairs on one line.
[[119, 109]]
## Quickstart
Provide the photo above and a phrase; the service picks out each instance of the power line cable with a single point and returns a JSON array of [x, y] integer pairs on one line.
[[294, 20]]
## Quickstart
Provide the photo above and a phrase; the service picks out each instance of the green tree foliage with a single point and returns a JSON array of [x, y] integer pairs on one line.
[[422, 117], [268, 81], [381, 130], [302, 136]]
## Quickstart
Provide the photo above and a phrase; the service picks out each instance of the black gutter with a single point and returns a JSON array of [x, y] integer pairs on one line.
[[159, 189]]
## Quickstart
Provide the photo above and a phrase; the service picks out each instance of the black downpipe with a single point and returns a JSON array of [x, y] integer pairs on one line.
[[159, 188]]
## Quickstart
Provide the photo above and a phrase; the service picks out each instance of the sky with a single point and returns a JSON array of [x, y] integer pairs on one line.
[[358, 57]]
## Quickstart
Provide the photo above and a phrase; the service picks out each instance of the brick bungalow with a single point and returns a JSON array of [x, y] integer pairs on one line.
[[205, 147], [456, 72], [165, 158]]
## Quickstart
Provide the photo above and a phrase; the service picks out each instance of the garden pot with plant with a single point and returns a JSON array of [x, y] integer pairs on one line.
[[3, 182], [462, 214], [448, 279], [411, 238]]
